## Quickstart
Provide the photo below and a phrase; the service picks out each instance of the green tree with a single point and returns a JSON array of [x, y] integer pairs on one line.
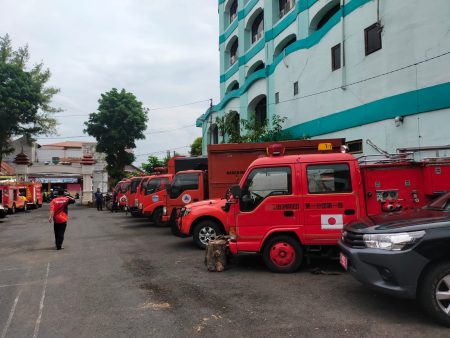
[[196, 147], [120, 120], [152, 163], [25, 99]]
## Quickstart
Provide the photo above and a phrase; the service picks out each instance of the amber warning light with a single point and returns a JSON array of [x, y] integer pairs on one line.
[[275, 150], [325, 147]]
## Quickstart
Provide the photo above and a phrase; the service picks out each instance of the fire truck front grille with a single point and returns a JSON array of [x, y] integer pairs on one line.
[[353, 239]]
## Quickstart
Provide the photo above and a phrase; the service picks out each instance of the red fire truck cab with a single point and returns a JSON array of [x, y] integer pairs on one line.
[[151, 197], [289, 206], [121, 190]]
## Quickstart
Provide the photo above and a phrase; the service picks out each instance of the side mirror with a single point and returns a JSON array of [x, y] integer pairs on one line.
[[227, 206], [236, 191]]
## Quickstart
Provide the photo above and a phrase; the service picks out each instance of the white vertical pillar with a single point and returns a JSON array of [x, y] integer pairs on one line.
[[87, 170]]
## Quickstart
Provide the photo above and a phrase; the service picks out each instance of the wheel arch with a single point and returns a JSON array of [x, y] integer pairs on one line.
[[277, 232], [206, 218], [426, 269]]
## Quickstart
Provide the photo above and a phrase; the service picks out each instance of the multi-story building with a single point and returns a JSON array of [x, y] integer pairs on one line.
[[363, 70]]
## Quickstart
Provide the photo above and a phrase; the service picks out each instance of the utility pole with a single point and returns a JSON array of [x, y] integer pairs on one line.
[[210, 120]]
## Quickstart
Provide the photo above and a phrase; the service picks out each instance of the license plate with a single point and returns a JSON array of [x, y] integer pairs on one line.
[[343, 260]]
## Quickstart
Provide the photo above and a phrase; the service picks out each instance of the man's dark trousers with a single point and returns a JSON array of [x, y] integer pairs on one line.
[[59, 228], [99, 205]]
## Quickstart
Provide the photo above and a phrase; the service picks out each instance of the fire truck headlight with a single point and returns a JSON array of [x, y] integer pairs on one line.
[[393, 242]]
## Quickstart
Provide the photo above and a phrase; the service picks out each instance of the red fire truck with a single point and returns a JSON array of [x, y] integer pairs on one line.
[[131, 194], [289, 206], [226, 163], [14, 197], [34, 194], [121, 190], [151, 197], [3, 209]]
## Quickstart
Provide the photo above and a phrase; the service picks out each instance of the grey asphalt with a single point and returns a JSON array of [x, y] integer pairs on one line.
[[124, 277]]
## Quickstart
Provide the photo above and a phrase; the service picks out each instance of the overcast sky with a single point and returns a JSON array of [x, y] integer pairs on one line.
[[165, 52]]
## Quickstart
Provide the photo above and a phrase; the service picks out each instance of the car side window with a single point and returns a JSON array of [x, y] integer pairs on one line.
[[329, 178], [184, 182], [264, 182], [152, 185]]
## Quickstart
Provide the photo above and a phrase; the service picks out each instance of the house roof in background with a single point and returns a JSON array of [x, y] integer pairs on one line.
[[6, 169], [65, 144]]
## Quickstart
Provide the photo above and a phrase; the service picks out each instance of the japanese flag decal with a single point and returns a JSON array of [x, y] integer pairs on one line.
[[332, 221]]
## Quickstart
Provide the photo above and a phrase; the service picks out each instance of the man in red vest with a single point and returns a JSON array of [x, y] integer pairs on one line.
[[58, 214]]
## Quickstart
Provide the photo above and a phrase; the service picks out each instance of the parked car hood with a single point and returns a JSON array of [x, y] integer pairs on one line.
[[216, 201], [407, 220]]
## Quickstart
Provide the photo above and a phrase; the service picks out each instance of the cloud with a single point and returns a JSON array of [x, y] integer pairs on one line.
[[165, 52]]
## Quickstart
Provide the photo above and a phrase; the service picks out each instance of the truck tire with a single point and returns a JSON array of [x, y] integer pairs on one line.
[[25, 207], [205, 231], [434, 293], [12, 210], [282, 253], [157, 217]]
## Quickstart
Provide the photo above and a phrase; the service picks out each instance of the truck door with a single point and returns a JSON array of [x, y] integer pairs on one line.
[[267, 203], [186, 188], [330, 201]]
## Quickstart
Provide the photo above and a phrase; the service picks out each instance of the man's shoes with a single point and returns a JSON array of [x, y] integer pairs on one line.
[[59, 248]]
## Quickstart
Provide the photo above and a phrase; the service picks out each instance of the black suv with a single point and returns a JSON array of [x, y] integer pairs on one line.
[[404, 254]]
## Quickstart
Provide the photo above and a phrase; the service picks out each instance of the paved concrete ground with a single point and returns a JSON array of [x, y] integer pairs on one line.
[[123, 277]]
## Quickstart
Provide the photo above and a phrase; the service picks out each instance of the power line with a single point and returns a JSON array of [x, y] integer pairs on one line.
[[150, 109], [180, 105], [353, 83], [149, 133], [161, 151]]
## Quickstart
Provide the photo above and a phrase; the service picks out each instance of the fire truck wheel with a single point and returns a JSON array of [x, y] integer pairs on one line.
[[206, 231], [282, 253], [434, 293], [25, 207], [157, 217], [12, 210]]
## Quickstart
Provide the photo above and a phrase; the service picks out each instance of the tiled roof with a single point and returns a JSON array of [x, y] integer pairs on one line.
[[66, 144], [6, 169]]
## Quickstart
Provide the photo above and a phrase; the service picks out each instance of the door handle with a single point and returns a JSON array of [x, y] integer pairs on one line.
[[195, 199], [288, 213], [349, 211]]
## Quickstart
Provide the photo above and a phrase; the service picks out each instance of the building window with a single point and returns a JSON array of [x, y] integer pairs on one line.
[[285, 6], [289, 40], [233, 86], [277, 97], [261, 112], [296, 88], [214, 134], [327, 16], [233, 11], [336, 57], [355, 147], [234, 52], [372, 38], [258, 27]]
